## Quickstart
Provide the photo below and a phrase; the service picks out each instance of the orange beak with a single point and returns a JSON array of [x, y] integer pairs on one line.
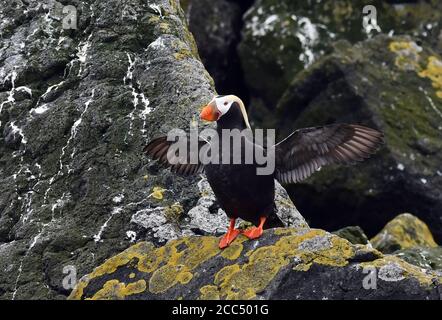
[[210, 113]]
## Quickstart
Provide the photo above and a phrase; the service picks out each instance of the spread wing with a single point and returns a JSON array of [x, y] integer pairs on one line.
[[184, 164], [306, 150]]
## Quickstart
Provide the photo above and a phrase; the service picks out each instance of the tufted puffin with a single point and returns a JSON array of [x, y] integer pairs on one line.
[[242, 192]]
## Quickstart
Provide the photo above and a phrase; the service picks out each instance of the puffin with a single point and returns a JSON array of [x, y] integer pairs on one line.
[[243, 193]]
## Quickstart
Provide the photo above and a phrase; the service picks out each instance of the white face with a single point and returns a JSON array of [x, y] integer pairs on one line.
[[223, 104]]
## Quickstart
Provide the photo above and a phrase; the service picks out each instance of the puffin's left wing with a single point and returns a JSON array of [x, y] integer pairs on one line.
[[158, 149], [306, 150]]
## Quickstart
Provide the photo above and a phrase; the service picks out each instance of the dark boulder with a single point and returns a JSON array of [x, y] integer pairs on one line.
[[283, 37], [403, 232], [410, 239], [354, 234], [423, 257], [390, 83], [283, 264]]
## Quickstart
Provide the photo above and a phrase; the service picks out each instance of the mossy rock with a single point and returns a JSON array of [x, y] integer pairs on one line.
[[354, 234], [283, 264], [403, 232], [389, 83], [423, 257], [281, 38]]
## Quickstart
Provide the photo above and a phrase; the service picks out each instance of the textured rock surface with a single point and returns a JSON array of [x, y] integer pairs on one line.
[[76, 108], [403, 232], [283, 264], [216, 27], [410, 239], [282, 37], [390, 83], [354, 234], [423, 257]]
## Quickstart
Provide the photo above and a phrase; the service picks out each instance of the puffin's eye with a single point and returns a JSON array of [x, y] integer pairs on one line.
[[226, 103]]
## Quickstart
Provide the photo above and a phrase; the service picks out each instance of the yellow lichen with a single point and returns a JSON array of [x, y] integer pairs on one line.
[[164, 278], [407, 54], [408, 58], [137, 251], [176, 263], [285, 231], [209, 292], [184, 277], [77, 293], [302, 267], [233, 251], [408, 270], [174, 212], [157, 193], [180, 263], [226, 272], [113, 289], [403, 232], [164, 27], [132, 275], [169, 265], [433, 72], [245, 281]]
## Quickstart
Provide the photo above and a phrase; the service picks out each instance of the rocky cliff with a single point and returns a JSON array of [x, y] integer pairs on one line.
[[77, 107]]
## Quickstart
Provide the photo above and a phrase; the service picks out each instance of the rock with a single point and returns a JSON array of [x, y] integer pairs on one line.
[[283, 37], [76, 109], [389, 83], [205, 218], [354, 234], [283, 264], [423, 257], [403, 232], [216, 27]]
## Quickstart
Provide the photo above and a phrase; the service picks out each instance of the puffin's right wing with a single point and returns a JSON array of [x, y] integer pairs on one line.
[[306, 150], [159, 149]]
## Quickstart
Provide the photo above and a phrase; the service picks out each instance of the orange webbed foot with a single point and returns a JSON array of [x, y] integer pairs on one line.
[[255, 232], [231, 235], [228, 238]]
